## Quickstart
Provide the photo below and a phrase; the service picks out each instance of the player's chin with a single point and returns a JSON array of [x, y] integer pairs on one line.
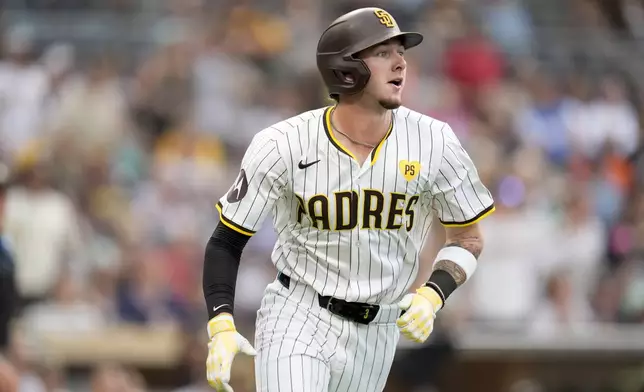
[[390, 103]]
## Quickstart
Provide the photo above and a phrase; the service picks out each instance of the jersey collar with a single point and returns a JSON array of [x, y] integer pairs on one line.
[[328, 129]]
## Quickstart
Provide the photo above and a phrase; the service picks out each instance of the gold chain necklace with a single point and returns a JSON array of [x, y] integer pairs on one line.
[[372, 146]]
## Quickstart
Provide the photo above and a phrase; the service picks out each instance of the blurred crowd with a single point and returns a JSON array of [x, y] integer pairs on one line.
[[115, 161]]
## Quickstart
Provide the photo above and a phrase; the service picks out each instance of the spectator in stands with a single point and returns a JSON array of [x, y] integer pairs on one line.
[[543, 124], [41, 224], [450, 109], [510, 26], [66, 310], [608, 119], [221, 102], [23, 88], [474, 63], [59, 62], [558, 312], [92, 110], [163, 91], [143, 295], [191, 161], [583, 244], [505, 292]]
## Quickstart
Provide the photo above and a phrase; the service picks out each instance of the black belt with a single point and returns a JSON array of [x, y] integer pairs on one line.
[[355, 311]]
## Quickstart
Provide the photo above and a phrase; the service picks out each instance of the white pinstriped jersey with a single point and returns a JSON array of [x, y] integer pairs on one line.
[[350, 230]]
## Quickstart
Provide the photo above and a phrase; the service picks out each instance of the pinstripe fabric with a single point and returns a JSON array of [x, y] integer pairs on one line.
[[458, 193], [345, 229], [295, 337], [374, 265]]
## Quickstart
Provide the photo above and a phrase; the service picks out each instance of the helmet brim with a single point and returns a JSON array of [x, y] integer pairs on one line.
[[407, 39], [410, 39]]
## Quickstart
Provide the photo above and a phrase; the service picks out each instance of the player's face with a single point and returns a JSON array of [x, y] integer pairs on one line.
[[388, 69]]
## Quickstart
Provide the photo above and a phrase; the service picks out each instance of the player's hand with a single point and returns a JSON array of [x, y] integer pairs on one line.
[[417, 323], [225, 343]]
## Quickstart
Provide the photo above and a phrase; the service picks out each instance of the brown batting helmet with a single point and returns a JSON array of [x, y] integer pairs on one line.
[[352, 33]]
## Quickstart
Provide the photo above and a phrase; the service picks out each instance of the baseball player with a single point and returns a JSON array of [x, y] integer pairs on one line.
[[352, 188]]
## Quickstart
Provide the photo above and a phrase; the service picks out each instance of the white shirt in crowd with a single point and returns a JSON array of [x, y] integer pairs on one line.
[[43, 233]]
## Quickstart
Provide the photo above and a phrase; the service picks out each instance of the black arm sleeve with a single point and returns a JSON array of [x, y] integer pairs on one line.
[[221, 264]]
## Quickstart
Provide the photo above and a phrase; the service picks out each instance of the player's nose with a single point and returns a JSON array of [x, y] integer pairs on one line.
[[399, 63]]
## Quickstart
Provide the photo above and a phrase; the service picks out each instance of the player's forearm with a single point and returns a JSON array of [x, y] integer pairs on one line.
[[456, 261], [221, 265], [469, 239]]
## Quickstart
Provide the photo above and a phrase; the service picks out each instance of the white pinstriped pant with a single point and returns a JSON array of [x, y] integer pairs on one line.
[[302, 347]]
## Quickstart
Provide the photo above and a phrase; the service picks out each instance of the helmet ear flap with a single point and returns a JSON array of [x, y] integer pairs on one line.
[[346, 75]]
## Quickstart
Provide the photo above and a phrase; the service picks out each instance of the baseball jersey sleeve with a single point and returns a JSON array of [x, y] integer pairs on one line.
[[459, 196], [260, 182]]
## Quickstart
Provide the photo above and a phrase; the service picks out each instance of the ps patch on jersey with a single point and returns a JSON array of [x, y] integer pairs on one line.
[[239, 188], [409, 170]]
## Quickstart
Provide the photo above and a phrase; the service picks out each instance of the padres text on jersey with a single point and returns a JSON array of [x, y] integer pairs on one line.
[[354, 230]]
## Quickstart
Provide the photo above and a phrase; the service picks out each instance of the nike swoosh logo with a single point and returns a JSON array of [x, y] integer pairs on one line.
[[215, 308], [303, 165]]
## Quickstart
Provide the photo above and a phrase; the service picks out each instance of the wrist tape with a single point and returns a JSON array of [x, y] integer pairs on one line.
[[444, 283]]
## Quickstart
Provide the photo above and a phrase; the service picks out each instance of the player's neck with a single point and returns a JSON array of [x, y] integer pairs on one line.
[[368, 125]]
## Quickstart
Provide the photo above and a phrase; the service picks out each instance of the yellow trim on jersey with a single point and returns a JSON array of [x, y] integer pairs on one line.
[[329, 131], [232, 225], [376, 152], [472, 221], [328, 128]]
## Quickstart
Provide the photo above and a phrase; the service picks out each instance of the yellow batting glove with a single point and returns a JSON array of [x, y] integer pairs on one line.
[[225, 343], [417, 323]]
